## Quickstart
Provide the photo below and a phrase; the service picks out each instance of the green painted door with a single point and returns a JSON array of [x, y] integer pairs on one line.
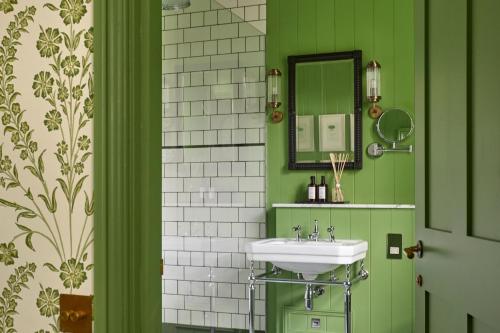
[[458, 165]]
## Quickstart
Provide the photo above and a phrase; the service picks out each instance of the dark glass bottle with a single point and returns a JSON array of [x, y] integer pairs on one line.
[[312, 190], [322, 190]]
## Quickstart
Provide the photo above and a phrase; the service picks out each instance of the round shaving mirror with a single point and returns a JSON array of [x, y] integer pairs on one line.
[[395, 125]]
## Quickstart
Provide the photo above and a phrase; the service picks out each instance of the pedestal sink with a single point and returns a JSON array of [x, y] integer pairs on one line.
[[307, 257]]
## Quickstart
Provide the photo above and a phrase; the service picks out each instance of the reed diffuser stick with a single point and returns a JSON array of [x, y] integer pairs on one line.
[[338, 163]]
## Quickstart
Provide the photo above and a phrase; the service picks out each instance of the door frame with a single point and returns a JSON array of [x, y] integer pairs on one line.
[[127, 166]]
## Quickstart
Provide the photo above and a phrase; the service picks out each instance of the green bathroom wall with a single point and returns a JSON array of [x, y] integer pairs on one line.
[[383, 30]]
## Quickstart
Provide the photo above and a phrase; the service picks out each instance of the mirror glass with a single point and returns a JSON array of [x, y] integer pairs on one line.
[[325, 104], [395, 126], [325, 110]]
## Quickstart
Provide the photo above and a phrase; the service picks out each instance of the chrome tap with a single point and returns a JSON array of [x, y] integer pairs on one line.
[[315, 234], [330, 230], [298, 230]]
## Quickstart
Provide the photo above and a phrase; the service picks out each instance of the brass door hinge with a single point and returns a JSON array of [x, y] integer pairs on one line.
[[76, 313]]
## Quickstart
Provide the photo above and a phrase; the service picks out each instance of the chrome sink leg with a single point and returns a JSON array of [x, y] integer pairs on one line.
[[251, 300], [347, 308], [251, 307], [347, 300]]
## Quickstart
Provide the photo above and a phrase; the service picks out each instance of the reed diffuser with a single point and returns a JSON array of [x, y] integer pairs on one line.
[[338, 164]]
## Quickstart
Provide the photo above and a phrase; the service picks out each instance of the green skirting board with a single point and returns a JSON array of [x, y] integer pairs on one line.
[[173, 328]]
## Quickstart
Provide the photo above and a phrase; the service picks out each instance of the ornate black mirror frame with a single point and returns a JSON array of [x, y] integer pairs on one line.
[[292, 131]]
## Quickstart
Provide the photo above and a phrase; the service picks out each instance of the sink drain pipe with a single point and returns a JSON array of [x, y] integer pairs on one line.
[[309, 295]]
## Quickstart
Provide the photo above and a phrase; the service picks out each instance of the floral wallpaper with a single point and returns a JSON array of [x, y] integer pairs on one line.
[[46, 192]]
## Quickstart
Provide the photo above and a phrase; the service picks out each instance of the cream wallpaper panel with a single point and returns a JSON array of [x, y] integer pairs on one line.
[[46, 192]]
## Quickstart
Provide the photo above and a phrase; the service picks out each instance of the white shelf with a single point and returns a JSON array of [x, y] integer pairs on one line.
[[352, 206]]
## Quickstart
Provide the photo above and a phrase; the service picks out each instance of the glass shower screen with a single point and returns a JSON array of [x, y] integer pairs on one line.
[[213, 163]]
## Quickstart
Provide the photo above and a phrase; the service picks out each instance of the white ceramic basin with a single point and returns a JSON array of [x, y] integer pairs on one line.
[[307, 257]]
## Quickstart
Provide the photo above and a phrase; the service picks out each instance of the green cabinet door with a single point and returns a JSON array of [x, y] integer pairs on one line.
[[458, 165], [297, 321]]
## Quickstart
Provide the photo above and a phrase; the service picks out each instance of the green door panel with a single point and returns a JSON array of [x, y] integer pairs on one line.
[[478, 326], [443, 316], [301, 321], [485, 136], [458, 165], [296, 321], [336, 323]]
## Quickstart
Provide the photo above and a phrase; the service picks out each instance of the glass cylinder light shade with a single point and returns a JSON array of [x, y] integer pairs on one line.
[[274, 88], [373, 82]]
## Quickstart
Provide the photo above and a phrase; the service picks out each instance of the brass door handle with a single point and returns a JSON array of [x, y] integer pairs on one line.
[[76, 313], [417, 249], [73, 316]]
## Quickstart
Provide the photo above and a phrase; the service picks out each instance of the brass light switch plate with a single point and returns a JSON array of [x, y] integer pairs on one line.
[[76, 313]]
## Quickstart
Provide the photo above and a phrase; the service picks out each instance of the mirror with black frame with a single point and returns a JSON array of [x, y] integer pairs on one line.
[[324, 109]]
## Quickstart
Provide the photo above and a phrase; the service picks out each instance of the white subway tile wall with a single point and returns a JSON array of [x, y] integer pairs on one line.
[[213, 196]]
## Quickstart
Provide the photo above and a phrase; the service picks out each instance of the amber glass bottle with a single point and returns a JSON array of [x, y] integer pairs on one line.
[[312, 190], [322, 190]]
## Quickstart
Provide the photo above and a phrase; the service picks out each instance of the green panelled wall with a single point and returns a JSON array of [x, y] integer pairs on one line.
[[383, 30]]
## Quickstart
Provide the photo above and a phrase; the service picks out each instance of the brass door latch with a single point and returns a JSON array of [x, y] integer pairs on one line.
[[76, 313]]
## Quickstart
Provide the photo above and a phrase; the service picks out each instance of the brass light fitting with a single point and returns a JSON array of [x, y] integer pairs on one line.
[[373, 88], [274, 94]]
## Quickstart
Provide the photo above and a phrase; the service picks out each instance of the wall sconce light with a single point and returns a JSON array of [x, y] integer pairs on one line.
[[274, 94], [373, 88]]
